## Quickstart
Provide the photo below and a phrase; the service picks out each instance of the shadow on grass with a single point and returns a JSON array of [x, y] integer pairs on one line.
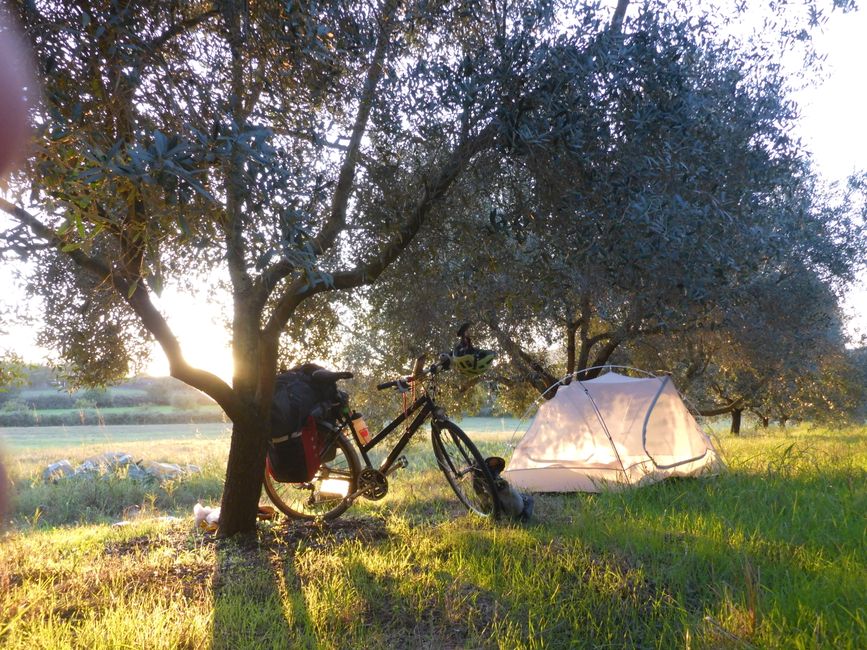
[[820, 511], [259, 600], [365, 591], [251, 605], [770, 558], [400, 613], [371, 583], [427, 511]]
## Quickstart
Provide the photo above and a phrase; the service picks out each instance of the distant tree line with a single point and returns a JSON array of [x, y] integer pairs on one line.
[[141, 400]]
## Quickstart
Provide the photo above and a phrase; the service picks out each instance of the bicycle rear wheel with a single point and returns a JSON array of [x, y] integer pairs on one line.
[[464, 469], [323, 496]]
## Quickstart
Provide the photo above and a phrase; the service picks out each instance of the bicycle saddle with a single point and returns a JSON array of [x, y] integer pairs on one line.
[[326, 376]]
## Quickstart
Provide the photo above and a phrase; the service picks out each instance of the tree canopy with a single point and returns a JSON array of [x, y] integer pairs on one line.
[[675, 203]]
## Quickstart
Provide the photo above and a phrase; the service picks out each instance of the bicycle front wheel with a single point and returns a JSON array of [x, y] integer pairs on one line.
[[323, 496], [464, 469]]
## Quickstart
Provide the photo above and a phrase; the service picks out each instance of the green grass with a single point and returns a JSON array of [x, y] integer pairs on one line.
[[772, 554], [112, 390], [111, 415], [111, 498], [125, 410], [56, 441]]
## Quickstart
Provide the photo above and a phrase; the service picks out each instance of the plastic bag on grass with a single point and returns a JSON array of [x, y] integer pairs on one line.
[[207, 518]]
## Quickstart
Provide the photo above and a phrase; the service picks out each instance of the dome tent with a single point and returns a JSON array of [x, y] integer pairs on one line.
[[609, 432]]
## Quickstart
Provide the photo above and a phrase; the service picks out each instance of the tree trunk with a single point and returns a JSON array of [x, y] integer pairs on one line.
[[571, 331], [244, 472], [540, 378], [254, 364], [736, 421]]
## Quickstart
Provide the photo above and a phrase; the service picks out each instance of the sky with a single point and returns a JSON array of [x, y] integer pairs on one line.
[[833, 121], [832, 126], [200, 330]]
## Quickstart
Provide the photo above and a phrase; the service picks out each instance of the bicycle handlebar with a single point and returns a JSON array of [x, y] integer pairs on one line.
[[401, 383], [404, 382]]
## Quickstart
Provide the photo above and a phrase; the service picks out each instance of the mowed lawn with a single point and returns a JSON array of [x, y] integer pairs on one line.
[[75, 440], [771, 554]]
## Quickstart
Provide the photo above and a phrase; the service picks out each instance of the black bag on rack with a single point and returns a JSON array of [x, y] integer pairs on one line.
[[299, 404]]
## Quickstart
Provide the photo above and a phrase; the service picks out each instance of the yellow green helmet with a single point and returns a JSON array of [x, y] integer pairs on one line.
[[472, 362]]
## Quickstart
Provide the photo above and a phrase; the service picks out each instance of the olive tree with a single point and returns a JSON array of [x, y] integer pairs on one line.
[[293, 149], [781, 355], [656, 210]]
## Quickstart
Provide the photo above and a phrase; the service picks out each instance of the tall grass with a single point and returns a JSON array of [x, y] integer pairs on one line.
[[771, 554], [114, 496]]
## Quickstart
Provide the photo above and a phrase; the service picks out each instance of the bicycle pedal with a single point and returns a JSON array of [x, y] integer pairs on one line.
[[400, 463]]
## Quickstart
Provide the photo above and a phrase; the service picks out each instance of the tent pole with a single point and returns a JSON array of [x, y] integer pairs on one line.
[[573, 376], [644, 432], [604, 428]]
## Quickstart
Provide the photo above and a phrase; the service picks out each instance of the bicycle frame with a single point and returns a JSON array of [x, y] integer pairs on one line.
[[425, 407]]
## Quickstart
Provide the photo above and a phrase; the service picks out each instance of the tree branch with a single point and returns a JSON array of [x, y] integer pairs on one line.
[[571, 331], [96, 266], [137, 297], [593, 340], [710, 411], [434, 191], [337, 218], [540, 377], [603, 356], [619, 15], [312, 138], [179, 28], [584, 325], [272, 276], [366, 273], [235, 185], [336, 221]]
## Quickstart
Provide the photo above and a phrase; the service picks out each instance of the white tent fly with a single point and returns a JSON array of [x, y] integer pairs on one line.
[[609, 432]]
